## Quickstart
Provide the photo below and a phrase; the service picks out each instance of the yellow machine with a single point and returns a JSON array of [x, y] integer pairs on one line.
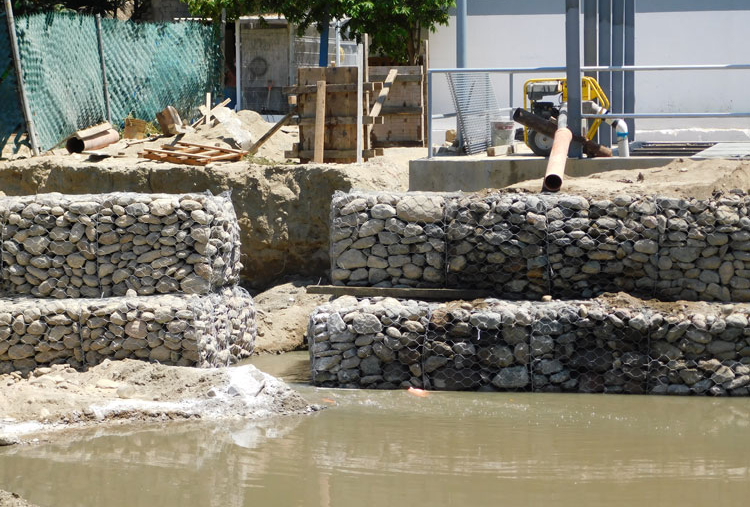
[[544, 97]]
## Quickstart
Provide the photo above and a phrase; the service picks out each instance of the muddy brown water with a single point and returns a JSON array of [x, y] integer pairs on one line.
[[373, 448]]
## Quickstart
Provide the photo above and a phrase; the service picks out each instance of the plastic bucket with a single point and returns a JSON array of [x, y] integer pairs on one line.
[[501, 132]]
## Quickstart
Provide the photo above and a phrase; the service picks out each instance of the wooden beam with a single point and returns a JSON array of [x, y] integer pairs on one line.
[[260, 142], [341, 120], [332, 88], [207, 147], [320, 121], [203, 117], [401, 110], [375, 111], [401, 78], [402, 293], [334, 154]]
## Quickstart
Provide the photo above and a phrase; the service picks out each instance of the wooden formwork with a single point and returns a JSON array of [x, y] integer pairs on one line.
[[404, 109], [340, 109]]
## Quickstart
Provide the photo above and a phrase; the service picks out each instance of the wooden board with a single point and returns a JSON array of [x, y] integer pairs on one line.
[[342, 120], [336, 155], [334, 88], [403, 110], [400, 293], [191, 154]]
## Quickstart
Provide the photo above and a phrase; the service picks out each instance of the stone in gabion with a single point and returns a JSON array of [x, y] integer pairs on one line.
[[186, 330], [601, 345], [523, 246], [77, 246]]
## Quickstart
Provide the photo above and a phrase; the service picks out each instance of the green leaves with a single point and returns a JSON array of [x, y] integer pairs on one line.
[[395, 26]]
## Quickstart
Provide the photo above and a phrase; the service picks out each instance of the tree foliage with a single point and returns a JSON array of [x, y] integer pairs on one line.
[[102, 7], [396, 27]]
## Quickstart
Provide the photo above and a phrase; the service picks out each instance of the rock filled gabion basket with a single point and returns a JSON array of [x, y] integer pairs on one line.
[[70, 246], [523, 246], [86, 278], [184, 330], [612, 345]]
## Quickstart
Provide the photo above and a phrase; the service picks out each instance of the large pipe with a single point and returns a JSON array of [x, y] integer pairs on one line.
[[619, 125], [618, 53], [95, 141], [553, 177], [546, 127], [629, 78]]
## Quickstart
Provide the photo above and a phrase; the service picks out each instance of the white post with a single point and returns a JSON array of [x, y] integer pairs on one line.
[[238, 64], [337, 57], [360, 71]]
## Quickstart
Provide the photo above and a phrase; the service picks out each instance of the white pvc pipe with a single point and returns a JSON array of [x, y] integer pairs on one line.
[[621, 128]]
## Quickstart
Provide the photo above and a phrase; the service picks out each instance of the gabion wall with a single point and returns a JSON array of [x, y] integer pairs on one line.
[[71, 246], [186, 330], [573, 346], [523, 246]]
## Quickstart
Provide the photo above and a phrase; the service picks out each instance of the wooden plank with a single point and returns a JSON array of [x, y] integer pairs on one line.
[[173, 158], [320, 119], [400, 110], [375, 111], [260, 142], [400, 293], [207, 147], [203, 117], [341, 120], [360, 93], [334, 154], [342, 137], [332, 88], [177, 153], [399, 79]]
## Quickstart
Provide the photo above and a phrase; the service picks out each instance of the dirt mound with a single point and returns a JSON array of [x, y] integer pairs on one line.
[[282, 313], [12, 500], [680, 178], [59, 397]]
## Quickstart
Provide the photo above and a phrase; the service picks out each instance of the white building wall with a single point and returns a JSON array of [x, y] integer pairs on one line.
[[514, 33]]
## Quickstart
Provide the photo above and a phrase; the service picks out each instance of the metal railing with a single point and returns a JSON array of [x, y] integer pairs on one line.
[[593, 68]]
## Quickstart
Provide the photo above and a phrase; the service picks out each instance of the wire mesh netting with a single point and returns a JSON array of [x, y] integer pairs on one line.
[[614, 346], [149, 66], [475, 103], [10, 108]]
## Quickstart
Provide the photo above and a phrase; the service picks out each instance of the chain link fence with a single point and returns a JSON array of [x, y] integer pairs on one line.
[[605, 345], [148, 66]]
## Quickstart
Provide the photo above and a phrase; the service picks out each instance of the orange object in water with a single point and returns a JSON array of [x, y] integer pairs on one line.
[[328, 400], [417, 392]]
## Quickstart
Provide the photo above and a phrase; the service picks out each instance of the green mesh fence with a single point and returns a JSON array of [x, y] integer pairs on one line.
[[11, 116], [149, 66]]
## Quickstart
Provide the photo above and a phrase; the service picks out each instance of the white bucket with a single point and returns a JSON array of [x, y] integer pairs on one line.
[[501, 132]]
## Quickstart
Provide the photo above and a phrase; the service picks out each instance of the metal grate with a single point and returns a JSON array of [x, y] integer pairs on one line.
[[476, 106]]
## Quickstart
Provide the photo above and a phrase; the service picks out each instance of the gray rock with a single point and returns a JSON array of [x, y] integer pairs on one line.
[[515, 377]]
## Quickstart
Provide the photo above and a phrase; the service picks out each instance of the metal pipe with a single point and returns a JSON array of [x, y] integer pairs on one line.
[[673, 115], [498, 69], [646, 68], [461, 33], [323, 58], [104, 67], [605, 57], [238, 65], [101, 139], [510, 89], [590, 34], [19, 77], [337, 57], [553, 177], [618, 42], [429, 114], [573, 69], [629, 77]]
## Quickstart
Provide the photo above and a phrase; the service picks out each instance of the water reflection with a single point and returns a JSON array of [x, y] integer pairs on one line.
[[375, 448]]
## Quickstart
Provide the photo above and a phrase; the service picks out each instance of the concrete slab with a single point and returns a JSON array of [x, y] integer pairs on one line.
[[726, 150], [472, 174]]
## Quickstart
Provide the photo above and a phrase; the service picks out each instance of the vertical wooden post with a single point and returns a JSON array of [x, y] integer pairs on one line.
[[360, 73], [208, 109], [366, 79], [19, 77], [320, 121]]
